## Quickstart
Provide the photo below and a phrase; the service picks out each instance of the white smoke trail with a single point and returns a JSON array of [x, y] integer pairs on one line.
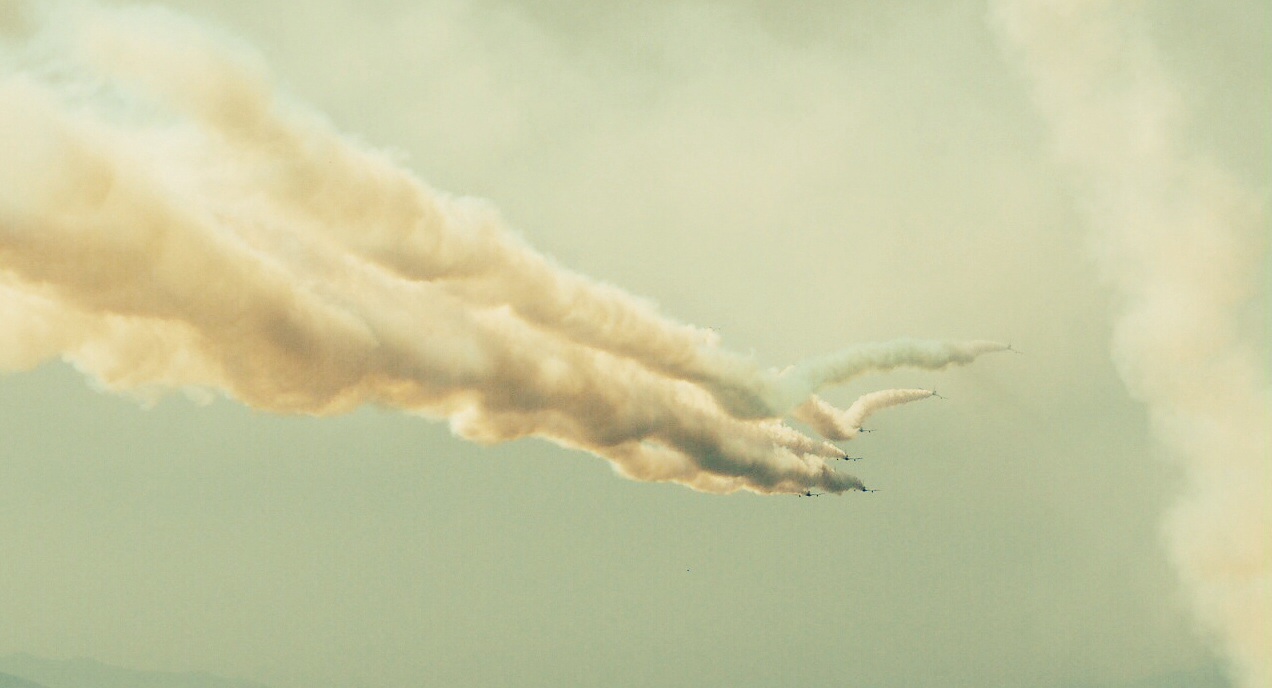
[[1183, 242], [168, 220], [833, 424]]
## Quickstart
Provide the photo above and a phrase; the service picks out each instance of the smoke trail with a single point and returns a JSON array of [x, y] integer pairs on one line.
[[168, 220], [833, 424], [1183, 242]]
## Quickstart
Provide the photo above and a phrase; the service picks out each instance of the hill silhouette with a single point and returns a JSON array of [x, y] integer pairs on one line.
[[11, 681], [28, 671]]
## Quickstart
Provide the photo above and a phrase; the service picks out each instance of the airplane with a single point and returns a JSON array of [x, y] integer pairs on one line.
[[868, 490], [851, 458], [860, 429], [809, 493], [1014, 350], [938, 396]]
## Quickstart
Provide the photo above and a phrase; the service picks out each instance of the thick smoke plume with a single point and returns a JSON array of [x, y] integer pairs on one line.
[[1183, 242], [168, 220]]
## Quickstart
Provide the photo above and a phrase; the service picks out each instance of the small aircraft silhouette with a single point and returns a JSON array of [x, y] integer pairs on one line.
[[938, 396], [851, 458], [868, 490], [861, 429], [1014, 350], [809, 493]]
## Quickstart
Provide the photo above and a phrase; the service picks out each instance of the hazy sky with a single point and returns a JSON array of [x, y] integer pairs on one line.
[[797, 181]]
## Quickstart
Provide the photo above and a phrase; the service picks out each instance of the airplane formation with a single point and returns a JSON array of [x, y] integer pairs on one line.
[[810, 493]]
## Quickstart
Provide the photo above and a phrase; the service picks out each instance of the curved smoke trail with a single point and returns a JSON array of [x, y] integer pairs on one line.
[[833, 424], [1183, 242], [169, 220]]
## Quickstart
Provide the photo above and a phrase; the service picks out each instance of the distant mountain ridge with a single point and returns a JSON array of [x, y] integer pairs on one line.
[[28, 671], [11, 681], [1209, 675]]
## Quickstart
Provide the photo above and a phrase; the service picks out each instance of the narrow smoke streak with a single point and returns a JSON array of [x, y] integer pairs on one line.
[[1183, 242], [844, 366], [168, 220], [834, 424]]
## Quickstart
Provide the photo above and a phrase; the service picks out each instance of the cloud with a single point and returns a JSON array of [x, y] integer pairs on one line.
[[169, 219], [1183, 242]]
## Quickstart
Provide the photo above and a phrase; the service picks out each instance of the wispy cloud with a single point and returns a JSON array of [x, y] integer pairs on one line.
[[1183, 241]]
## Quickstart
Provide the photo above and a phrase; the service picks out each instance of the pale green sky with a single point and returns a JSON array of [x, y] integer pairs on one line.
[[799, 181]]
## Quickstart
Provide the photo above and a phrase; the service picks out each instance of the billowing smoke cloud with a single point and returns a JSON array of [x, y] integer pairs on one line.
[[169, 220], [1183, 242]]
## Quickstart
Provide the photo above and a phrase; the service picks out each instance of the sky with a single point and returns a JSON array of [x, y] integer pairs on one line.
[[798, 183]]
